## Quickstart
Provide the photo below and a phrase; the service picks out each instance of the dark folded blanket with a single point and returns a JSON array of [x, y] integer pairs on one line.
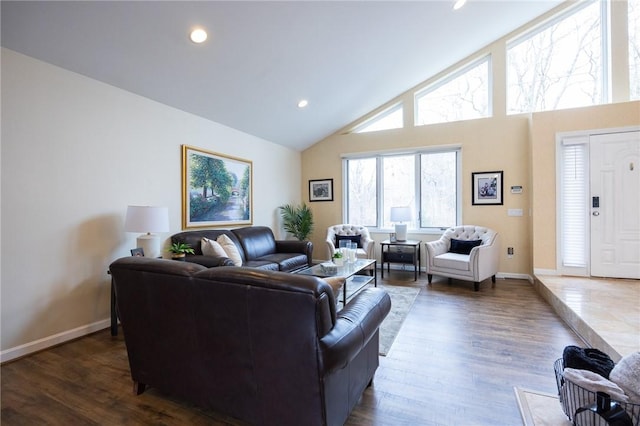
[[590, 359]]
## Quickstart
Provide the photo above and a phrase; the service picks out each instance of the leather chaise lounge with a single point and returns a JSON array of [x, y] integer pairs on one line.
[[266, 347]]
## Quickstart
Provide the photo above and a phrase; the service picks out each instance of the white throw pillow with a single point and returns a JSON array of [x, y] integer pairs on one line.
[[626, 374], [212, 248], [230, 249]]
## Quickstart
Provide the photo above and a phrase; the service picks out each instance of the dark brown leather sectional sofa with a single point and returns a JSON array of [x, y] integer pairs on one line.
[[257, 246], [263, 346]]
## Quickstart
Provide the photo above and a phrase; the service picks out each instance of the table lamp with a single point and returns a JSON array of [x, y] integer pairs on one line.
[[147, 219], [401, 214]]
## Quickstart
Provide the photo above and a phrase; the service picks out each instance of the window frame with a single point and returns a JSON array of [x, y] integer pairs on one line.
[[379, 156], [605, 40], [450, 76], [359, 128]]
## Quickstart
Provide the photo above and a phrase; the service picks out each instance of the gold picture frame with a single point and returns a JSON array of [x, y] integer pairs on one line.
[[217, 189]]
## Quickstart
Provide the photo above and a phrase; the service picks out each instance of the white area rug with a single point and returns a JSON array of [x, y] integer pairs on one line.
[[540, 409], [402, 299]]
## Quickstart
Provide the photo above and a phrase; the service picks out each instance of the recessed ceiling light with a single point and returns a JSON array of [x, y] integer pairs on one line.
[[458, 4], [198, 35], [303, 103]]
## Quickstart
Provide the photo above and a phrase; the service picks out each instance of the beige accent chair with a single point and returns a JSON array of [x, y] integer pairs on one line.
[[367, 251], [480, 263]]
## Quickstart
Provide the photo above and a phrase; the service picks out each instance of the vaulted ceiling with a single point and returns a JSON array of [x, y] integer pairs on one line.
[[261, 57]]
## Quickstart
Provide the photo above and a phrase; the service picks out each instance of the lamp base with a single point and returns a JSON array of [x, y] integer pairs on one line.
[[401, 232], [150, 244]]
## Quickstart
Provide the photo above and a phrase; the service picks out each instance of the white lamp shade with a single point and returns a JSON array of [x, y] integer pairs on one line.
[[147, 219], [400, 214]]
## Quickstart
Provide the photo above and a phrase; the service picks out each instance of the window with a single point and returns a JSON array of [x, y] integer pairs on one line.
[[560, 65], [426, 181], [391, 118], [634, 49], [572, 193], [464, 95]]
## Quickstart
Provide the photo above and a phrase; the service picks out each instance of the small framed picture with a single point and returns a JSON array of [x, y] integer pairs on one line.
[[138, 252], [321, 190], [487, 188], [392, 237]]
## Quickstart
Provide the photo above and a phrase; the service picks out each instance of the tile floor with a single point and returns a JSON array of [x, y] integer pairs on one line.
[[604, 312]]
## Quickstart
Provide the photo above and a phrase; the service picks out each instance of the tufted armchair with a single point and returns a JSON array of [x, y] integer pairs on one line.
[[366, 244], [465, 252]]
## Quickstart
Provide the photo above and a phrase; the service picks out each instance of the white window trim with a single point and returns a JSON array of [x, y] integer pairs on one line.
[[452, 76], [605, 39], [379, 116], [577, 137], [392, 152]]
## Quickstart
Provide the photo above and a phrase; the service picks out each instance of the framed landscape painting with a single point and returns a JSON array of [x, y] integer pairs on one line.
[[216, 189], [487, 188]]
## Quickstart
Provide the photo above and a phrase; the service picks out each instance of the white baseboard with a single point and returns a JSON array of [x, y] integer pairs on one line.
[[509, 275], [56, 339], [537, 271]]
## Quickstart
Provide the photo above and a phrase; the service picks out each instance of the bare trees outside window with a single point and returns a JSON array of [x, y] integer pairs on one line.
[[427, 182], [462, 96], [558, 66], [634, 49]]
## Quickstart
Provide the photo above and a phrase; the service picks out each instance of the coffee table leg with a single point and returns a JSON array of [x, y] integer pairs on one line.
[[375, 273], [344, 293]]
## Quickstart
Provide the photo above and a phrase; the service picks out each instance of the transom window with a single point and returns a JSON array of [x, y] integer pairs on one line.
[[426, 181], [391, 118], [463, 95], [559, 65], [634, 49]]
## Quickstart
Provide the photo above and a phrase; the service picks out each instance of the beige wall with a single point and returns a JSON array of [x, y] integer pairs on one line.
[[545, 126], [522, 146], [487, 145], [75, 153], [498, 143]]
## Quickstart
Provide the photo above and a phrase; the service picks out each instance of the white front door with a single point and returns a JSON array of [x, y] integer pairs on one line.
[[615, 205]]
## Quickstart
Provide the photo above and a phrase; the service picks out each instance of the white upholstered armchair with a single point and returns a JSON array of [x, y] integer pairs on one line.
[[366, 244], [466, 252]]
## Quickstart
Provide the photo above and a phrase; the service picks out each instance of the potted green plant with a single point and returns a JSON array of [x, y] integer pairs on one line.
[[297, 220], [338, 258], [179, 251]]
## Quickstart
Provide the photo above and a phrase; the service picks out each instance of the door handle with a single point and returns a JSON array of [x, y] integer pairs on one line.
[[596, 213]]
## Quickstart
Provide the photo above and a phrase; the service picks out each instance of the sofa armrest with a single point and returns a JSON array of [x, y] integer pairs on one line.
[[485, 259], [294, 246], [436, 248], [355, 325], [368, 245], [209, 261]]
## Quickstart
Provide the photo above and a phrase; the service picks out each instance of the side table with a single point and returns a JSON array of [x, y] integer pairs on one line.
[[396, 256]]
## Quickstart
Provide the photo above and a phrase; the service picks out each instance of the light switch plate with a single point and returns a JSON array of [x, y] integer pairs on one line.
[[514, 212]]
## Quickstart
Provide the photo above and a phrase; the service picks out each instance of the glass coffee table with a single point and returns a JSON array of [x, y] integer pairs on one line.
[[353, 283]]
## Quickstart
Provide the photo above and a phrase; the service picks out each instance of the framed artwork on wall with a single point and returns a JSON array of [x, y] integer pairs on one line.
[[487, 188], [321, 190], [217, 189]]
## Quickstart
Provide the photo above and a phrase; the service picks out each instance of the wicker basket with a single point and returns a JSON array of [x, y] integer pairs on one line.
[[574, 397]]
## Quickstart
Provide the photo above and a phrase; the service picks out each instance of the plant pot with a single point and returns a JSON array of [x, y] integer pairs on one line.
[[338, 261], [178, 256]]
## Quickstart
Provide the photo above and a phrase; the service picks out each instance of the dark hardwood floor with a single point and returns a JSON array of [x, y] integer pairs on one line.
[[455, 362]]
